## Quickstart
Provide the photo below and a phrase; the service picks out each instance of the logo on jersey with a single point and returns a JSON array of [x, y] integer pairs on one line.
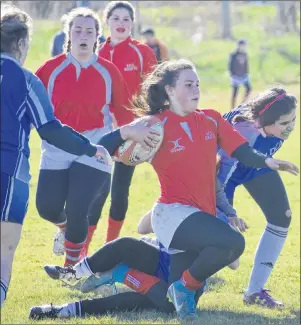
[[177, 147], [131, 67], [209, 135]]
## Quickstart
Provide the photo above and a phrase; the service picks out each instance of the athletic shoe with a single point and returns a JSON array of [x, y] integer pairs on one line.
[[183, 299], [65, 274], [95, 281], [262, 298], [59, 243], [48, 312]]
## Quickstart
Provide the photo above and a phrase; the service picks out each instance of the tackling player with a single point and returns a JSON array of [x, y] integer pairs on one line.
[[266, 122]]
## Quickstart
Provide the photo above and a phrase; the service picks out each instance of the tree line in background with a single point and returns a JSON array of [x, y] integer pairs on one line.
[[288, 12]]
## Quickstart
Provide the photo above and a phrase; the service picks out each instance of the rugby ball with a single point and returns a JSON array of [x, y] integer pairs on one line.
[[132, 153]]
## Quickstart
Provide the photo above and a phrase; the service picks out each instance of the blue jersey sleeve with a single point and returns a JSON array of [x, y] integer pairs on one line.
[[38, 104]]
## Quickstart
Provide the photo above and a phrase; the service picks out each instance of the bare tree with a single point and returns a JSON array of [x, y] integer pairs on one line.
[[287, 15], [226, 20]]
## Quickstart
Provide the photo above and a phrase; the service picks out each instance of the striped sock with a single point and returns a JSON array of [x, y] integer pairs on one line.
[[139, 281], [85, 249], [3, 288], [267, 253], [72, 252], [82, 269]]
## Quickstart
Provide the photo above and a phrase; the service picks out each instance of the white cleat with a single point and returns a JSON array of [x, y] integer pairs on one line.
[[59, 243]]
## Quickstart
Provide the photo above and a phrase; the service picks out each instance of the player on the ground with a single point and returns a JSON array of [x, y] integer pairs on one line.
[[142, 265], [183, 217], [88, 93], [265, 122], [24, 102], [134, 60]]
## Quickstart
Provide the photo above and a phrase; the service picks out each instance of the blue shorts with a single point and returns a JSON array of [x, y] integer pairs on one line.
[[14, 199]]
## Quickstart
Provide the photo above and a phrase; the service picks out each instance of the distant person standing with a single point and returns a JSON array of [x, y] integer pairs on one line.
[[159, 47], [58, 40], [239, 70]]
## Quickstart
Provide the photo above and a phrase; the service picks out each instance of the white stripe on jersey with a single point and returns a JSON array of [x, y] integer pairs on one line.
[[53, 76], [107, 117], [38, 106], [10, 198], [107, 78], [140, 57], [20, 162], [33, 115]]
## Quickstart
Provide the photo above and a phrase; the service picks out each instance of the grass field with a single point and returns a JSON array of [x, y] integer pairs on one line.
[[222, 304]]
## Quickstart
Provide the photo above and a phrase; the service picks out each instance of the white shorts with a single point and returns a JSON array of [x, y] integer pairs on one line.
[[166, 218], [57, 159], [237, 81]]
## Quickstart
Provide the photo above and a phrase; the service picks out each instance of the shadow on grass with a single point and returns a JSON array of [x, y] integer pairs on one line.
[[206, 317]]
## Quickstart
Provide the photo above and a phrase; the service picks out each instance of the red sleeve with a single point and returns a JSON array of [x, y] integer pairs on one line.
[[120, 98], [228, 138], [149, 60]]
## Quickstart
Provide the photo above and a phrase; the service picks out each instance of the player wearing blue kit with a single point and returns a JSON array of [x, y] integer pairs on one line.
[[25, 102], [266, 122], [142, 265]]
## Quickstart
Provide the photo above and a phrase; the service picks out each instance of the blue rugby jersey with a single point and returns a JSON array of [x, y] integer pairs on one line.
[[24, 102], [230, 168]]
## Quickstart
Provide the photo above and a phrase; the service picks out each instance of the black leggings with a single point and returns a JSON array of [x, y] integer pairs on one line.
[[132, 252], [248, 89], [210, 242], [68, 194], [269, 193], [121, 182], [126, 301]]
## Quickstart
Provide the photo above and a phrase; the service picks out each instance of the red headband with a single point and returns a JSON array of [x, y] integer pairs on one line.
[[271, 103]]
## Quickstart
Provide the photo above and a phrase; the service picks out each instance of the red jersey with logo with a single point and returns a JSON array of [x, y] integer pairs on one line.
[[186, 160], [84, 96], [132, 58]]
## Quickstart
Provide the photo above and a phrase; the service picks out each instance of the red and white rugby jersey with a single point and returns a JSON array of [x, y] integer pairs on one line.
[[186, 160], [132, 58], [84, 96]]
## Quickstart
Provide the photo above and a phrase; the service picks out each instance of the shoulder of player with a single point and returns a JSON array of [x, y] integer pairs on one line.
[[51, 64], [143, 48], [107, 64]]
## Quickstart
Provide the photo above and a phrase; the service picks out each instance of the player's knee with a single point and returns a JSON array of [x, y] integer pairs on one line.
[[281, 219], [48, 211], [237, 245], [126, 244]]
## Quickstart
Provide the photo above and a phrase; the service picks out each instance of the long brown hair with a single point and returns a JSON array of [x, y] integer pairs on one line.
[[153, 97], [254, 110]]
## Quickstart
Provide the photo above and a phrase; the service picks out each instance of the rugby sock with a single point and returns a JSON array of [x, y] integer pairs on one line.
[[72, 252], [82, 269], [3, 288], [139, 281], [114, 227], [268, 251], [190, 282], [84, 251]]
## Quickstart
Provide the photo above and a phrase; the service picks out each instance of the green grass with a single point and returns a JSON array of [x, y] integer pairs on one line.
[[222, 304]]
